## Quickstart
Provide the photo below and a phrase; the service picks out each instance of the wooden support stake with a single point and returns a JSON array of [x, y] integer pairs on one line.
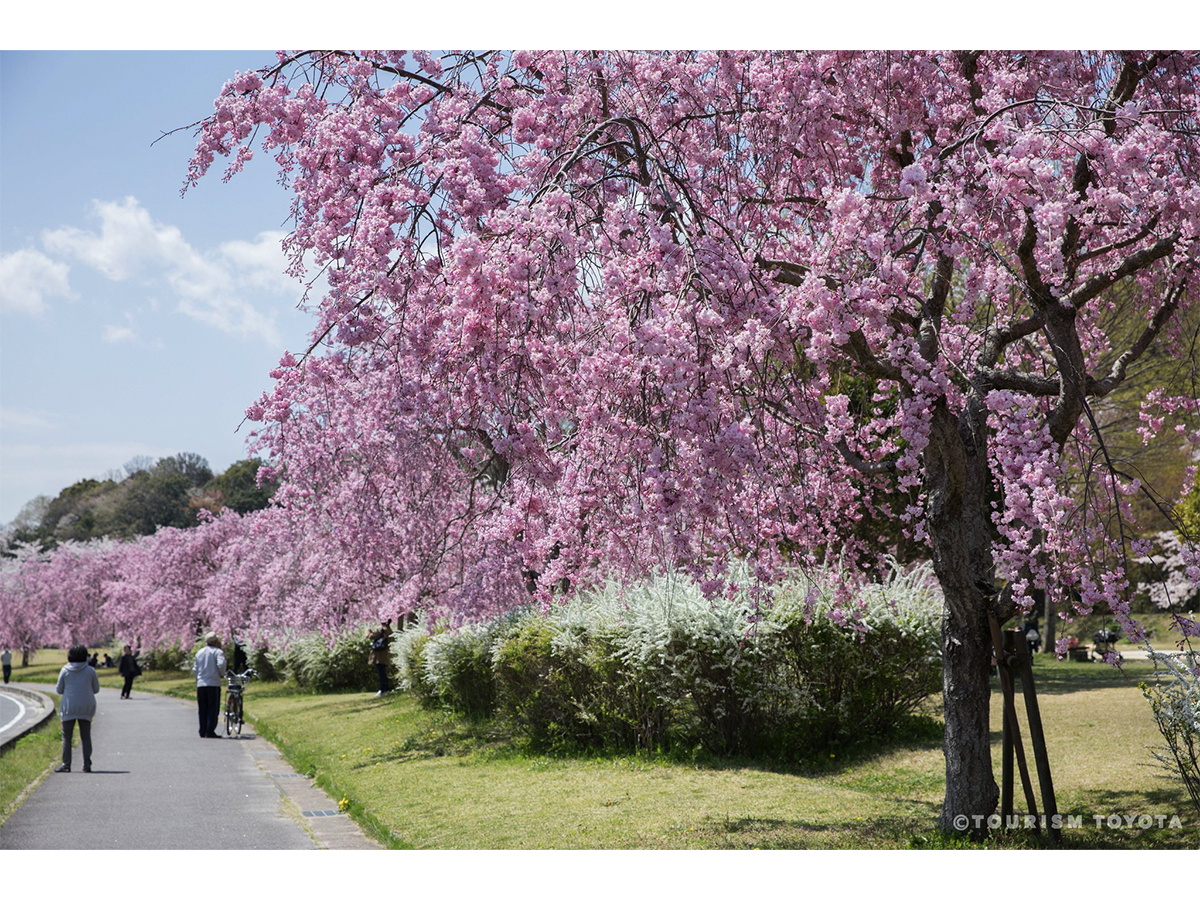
[[1010, 717], [1037, 735], [1006, 765]]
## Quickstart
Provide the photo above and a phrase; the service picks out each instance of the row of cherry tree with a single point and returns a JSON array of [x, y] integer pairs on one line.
[[596, 313], [264, 577]]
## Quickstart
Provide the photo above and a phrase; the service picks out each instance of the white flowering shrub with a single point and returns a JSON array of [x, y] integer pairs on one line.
[[450, 668], [1175, 702], [408, 653], [457, 666], [659, 664], [314, 661]]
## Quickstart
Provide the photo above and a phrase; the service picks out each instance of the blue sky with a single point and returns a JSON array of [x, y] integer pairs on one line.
[[132, 321]]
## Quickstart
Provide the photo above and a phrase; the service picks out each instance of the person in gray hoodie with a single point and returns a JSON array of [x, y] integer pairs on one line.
[[78, 684]]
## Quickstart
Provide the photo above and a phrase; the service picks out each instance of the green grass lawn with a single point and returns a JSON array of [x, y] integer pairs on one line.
[[1157, 624], [416, 778], [429, 780]]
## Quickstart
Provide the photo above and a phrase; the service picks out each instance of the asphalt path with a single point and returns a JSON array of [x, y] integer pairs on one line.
[[13, 711], [156, 785]]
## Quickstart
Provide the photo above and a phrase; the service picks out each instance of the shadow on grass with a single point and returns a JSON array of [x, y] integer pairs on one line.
[[493, 739], [1110, 801], [918, 831], [766, 833]]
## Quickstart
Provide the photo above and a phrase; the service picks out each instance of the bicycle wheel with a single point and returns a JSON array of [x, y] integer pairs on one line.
[[237, 714], [230, 715]]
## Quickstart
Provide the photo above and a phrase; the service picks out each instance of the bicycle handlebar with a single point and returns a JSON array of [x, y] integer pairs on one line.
[[240, 680]]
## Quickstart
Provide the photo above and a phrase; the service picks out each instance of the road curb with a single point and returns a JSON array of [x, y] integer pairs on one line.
[[45, 704]]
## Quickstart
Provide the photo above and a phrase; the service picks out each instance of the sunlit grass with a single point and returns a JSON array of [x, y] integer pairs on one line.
[[429, 780]]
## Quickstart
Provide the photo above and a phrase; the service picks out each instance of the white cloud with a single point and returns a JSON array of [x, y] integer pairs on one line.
[[210, 288], [27, 277], [21, 420], [262, 263], [128, 242], [114, 334]]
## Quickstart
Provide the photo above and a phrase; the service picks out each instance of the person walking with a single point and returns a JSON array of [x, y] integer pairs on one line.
[[129, 668], [381, 654], [6, 663], [78, 685], [209, 667]]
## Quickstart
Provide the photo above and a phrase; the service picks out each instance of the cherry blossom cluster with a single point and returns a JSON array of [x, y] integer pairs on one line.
[[681, 301], [594, 314]]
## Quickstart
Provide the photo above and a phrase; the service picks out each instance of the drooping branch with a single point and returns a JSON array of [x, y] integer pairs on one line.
[[1120, 367]]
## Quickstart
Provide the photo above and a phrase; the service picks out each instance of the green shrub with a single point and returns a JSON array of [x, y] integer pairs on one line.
[[313, 663], [458, 669], [408, 656], [259, 659], [855, 685], [574, 691], [164, 659], [660, 666]]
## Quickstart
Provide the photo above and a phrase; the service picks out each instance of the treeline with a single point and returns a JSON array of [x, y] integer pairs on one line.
[[152, 494]]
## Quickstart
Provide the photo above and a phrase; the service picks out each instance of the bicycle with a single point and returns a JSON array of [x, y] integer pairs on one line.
[[233, 701]]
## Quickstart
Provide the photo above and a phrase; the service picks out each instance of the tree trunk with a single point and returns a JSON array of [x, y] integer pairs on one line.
[[956, 483], [971, 791]]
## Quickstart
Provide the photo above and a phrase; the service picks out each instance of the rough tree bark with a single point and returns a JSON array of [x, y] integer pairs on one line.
[[960, 532]]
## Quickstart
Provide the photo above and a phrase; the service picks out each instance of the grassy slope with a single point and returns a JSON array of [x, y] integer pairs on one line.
[[422, 779], [432, 781]]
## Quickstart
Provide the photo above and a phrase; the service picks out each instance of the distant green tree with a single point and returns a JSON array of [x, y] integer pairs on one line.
[[154, 499], [191, 466], [167, 492], [237, 488], [78, 513]]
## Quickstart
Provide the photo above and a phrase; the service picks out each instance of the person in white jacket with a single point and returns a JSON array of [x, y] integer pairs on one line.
[[78, 684], [209, 667]]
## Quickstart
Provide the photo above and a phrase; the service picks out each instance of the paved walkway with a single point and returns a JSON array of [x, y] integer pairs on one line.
[[156, 785], [20, 711]]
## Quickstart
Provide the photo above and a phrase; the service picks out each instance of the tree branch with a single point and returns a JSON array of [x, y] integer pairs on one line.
[[858, 350], [1007, 380], [1117, 373], [792, 273], [1135, 262], [998, 339], [856, 462]]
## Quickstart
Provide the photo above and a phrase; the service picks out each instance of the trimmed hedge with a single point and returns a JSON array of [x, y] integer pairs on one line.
[[659, 666]]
